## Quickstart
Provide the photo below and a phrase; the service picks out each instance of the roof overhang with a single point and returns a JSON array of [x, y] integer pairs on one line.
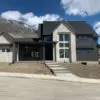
[[35, 42]]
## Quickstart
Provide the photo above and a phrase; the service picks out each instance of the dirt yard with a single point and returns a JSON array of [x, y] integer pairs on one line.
[[30, 67], [86, 71]]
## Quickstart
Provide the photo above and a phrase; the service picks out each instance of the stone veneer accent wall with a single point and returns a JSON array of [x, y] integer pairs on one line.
[[62, 28]]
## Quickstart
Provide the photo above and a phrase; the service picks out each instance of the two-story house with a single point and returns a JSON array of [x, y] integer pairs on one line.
[[61, 41], [71, 41]]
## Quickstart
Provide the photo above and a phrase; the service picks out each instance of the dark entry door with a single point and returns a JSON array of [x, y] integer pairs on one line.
[[48, 52], [28, 52]]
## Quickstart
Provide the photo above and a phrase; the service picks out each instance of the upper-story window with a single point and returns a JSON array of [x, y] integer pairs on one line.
[[63, 37], [48, 38], [82, 37], [63, 45]]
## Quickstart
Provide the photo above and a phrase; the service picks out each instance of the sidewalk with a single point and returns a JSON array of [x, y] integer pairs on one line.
[[50, 77]]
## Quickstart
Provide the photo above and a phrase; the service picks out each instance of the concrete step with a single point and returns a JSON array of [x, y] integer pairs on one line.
[[64, 74], [58, 68], [61, 71], [67, 75], [53, 65]]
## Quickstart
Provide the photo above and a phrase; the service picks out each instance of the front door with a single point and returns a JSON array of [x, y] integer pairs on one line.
[[48, 52], [64, 47]]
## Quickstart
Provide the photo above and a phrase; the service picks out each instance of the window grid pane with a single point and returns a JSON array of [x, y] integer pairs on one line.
[[66, 44], [66, 37], [66, 53], [61, 37], [61, 45], [61, 53]]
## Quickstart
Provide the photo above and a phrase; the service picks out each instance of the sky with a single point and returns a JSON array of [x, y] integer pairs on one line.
[[33, 12]]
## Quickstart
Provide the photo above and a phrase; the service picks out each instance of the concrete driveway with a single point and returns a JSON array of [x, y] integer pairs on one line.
[[35, 89]]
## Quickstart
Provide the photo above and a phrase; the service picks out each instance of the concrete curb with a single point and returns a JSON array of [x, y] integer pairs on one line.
[[49, 77]]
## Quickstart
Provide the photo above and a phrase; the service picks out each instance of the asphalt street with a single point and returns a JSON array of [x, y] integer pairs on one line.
[[36, 89]]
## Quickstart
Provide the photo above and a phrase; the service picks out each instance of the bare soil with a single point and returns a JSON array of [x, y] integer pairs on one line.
[[30, 68], [86, 71]]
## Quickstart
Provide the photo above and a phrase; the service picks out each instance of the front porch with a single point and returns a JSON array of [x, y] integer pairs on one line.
[[33, 52]]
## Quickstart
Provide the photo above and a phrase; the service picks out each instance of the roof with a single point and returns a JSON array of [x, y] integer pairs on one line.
[[79, 27], [17, 30], [49, 26], [98, 45]]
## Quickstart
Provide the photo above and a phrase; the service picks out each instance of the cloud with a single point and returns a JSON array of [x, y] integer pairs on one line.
[[11, 15], [81, 7], [97, 29], [29, 18]]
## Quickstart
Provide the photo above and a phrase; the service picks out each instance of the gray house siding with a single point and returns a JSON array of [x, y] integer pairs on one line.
[[86, 48]]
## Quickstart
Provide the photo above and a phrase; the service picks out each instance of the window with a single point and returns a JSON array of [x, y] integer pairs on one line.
[[3, 50], [35, 54], [88, 50], [63, 37], [61, 53], [7, 50], [82, 37], [85, 37], [63, 45], [48, 38], [66, 37], [64, 53], [0, 50], [66, 44]]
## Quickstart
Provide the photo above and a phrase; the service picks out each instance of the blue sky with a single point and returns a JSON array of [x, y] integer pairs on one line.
[[34, 10]]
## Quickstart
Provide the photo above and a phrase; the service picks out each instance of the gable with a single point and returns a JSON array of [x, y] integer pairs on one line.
[[62, 28], [3, 40]]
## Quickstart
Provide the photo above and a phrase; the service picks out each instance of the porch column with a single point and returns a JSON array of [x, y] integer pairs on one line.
[[54, 52], [17, 52], [43, 51], [14, 53]]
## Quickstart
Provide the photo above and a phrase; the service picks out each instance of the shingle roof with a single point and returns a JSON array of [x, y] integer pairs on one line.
[[16, 30], [49, 26], [79, 27]]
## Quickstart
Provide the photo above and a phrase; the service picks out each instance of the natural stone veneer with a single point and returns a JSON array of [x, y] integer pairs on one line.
[[63, 29]]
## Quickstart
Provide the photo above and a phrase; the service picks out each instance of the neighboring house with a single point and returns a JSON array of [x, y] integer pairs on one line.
[[99, 51], [59, 41]]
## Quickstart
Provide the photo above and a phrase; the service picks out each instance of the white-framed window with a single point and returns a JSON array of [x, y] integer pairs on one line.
[[64, 45], [5, 50]]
